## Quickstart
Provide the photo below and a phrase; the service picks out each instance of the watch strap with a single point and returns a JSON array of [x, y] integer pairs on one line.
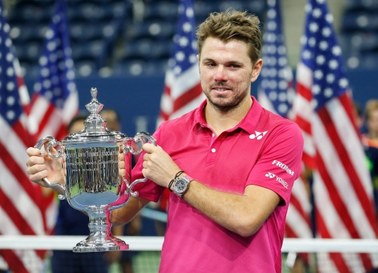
[[174, 178]]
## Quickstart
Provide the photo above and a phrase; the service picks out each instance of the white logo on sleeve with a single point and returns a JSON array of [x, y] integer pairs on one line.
[[278, 179], [283, 166]]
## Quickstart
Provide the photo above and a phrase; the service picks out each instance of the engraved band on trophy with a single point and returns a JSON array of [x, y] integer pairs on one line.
[[93, 184]]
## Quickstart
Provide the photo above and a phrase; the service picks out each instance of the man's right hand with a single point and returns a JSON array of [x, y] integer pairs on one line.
[[40, 165]]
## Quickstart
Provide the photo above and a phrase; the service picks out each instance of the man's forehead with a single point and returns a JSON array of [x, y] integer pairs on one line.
[[232, 50]]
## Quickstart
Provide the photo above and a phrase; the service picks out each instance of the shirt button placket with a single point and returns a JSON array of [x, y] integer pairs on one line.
[[213, 149]]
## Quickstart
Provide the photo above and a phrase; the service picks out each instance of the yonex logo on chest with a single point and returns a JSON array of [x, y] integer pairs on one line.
[[258, 135]]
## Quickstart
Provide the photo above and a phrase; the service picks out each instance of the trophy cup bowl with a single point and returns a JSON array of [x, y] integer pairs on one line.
[[93, 183]]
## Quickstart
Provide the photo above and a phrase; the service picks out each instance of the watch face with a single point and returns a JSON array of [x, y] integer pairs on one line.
[[181, 185]]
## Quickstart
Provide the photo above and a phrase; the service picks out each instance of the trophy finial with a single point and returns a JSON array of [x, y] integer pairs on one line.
[[94, 93], [94, 123], [94, 107]]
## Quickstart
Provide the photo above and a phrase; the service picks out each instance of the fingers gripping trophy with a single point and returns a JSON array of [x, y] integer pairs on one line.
[[93, 182]]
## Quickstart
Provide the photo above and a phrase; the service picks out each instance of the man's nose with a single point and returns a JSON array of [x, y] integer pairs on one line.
[[220, 73]]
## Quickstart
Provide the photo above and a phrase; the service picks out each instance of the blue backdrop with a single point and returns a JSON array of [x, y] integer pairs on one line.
[[137, 99]]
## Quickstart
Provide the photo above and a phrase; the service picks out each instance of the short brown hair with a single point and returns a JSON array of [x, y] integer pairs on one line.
[[232, 25], [371, 105]]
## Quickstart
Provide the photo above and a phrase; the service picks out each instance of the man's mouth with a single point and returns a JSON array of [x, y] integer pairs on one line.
[[220, 88]]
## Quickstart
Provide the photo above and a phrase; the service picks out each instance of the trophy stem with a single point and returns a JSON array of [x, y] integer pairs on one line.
[[100, 237]]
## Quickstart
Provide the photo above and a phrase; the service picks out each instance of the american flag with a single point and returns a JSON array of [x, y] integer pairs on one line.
[[182, 91], [323, 108], [55, 101], [21, 205], [276, 93], [276, 90]]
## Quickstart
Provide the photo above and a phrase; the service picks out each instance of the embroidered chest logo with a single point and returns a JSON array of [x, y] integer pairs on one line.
[[258, 135]]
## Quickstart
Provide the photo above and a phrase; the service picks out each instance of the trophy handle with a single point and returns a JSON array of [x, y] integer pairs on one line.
[[134, 146], [50, 142], [131, 186]]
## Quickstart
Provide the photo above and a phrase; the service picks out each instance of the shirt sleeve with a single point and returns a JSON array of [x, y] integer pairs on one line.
[[280, 161]]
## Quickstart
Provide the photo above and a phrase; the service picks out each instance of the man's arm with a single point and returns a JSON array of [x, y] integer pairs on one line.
[[127, 212], [242, 214]]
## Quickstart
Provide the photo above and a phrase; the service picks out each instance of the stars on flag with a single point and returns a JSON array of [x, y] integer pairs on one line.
[[277, 90]]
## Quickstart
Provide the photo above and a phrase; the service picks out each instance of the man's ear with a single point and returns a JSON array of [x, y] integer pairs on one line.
[[256, 69]]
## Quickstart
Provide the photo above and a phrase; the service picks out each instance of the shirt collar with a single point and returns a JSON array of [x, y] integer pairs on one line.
[[248, 123]]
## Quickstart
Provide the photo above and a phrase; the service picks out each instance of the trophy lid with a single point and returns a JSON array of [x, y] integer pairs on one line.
[[94, 125]]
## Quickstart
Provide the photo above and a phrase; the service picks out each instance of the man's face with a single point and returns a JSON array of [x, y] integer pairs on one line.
[[372, 123], [226, 72], [112, 122], [77, 127]]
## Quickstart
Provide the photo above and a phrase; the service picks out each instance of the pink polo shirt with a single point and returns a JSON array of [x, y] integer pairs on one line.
[[264, 149]]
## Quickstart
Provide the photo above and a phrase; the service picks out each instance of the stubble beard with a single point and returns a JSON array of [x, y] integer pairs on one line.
[[225, 104]]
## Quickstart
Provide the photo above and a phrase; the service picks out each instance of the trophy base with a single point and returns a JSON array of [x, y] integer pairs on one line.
[[100, 245]]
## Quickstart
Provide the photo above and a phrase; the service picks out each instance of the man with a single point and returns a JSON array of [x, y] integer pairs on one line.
[[371, 120], [230, 164], [370, 141]]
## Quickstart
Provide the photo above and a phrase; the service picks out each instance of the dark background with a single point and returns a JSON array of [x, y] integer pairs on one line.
[[122, 46]]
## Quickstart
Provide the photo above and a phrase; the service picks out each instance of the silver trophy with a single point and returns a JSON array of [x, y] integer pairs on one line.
[[93, 184]]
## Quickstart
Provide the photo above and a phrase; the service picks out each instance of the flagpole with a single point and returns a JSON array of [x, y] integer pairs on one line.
[[313, 263]]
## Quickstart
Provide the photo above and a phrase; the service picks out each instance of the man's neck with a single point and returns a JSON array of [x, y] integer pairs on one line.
[[221, 121]]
